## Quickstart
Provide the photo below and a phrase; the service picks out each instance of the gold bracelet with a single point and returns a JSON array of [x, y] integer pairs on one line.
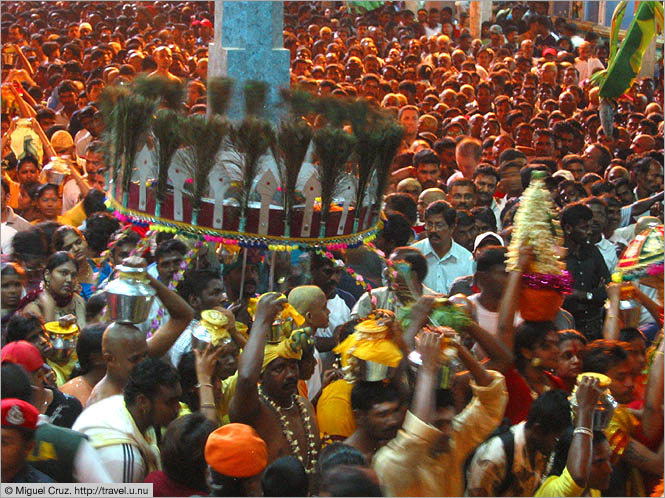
[[198, 386]]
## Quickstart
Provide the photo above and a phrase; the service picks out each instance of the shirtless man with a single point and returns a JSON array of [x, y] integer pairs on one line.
[[124, 345], [164, 58], [273, 408]]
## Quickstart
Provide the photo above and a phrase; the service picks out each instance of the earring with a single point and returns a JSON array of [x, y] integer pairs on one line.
[[536, 362]]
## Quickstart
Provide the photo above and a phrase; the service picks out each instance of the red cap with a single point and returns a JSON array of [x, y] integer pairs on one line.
[[22, 353], [549, 51], [195, 22], [16, 414], [206, 23]]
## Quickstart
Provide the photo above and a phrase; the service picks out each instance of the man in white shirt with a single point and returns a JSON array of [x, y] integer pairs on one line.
[[121, 427], [390, 297], [326, 275], [446, 260], [598, 223], [585, 64]]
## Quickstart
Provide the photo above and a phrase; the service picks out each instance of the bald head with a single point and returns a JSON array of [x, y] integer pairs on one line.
[[653, 107], [616, 172], [427, 197], [311, 302], [303, 297], [410, 186], [643, 143], [117, 334], [430, 195], [123, 346]]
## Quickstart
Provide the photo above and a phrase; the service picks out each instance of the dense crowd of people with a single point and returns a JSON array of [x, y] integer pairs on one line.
[[503, 412]]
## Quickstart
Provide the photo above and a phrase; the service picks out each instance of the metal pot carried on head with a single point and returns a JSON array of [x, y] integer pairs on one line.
[[604, 410], [55, 171], [211, 330], [63, 340], [129, 296]]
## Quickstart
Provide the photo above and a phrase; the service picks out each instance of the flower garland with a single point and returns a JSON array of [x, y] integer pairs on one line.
[[310, 465], [173, 284], [243, 239], [341, 265]]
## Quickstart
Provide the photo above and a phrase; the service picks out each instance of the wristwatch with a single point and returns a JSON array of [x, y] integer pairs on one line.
[[589, 296]]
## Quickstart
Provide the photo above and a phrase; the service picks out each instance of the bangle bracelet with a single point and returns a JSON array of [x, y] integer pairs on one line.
[[583, 430], [198, 386], [208, 405]]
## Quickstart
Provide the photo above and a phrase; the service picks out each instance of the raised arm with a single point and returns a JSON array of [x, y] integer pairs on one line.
[[481, 376], [501, 357], [612, 324], [80, 181], [580, 451], [651, 306], [205, 368], [511, 298], [245, 405], [642, 205], [180, 314], [24, 60], [423, 405], [49, 151], [419, 313]]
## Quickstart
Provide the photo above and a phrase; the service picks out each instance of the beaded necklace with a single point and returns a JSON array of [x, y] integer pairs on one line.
[[310, 466]]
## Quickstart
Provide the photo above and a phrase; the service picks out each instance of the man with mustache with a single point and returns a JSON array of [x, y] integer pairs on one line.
[[327, 275], [598, 224], [284, 420], [487, 179], [446, 260], [587, 267]]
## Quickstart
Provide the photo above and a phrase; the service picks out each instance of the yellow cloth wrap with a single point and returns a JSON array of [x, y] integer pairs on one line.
[[215, 323], [288, 311], [333, 411], [370, 343], [290, 348], [242, 329]]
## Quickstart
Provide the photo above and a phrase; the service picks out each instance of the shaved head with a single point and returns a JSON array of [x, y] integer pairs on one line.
[[117, 335], [303, 297], [430, 195], [123, 346]]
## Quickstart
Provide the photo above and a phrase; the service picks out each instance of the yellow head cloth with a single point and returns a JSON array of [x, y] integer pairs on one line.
[[215, 322], [289, 348], [288, 311], [370, 342]]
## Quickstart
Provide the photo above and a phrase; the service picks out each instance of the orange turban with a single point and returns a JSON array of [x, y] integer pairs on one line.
[[236, 450]]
